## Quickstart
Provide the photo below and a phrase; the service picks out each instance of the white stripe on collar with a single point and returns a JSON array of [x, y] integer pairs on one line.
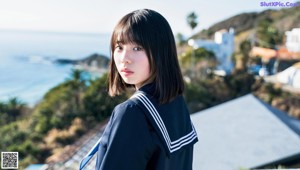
[[172, 145]]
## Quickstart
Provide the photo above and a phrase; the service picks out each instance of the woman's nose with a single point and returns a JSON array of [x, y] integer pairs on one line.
[[125, 57]]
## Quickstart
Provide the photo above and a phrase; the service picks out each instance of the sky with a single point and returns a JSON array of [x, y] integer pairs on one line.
[[100, 16]]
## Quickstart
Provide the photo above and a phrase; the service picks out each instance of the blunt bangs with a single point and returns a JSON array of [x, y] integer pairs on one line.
[[130, 30], [125, 35]]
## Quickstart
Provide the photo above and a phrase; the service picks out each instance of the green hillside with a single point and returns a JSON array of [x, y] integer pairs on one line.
[[246, 24]]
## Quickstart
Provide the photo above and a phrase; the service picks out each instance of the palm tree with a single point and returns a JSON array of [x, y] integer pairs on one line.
[[192, 22]]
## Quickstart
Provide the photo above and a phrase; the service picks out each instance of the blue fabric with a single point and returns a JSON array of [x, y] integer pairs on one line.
[[89, 156], [139, 137]]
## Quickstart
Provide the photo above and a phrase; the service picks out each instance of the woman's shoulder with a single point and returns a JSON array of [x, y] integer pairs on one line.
[[127, 105], [128, 111]]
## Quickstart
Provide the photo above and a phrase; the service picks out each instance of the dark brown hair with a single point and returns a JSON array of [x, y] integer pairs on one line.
[[151, 31]]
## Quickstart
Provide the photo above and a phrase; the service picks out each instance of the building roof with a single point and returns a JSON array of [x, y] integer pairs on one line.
[[265, 53], [283, 53], [244, 133]]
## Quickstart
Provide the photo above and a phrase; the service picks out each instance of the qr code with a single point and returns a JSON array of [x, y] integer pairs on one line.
[[9, 160]]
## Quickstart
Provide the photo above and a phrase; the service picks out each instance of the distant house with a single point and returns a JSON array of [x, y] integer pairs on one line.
[[222, 46], [293, 40], [290, 76], [275, 60], [268, 57], [245, 133]]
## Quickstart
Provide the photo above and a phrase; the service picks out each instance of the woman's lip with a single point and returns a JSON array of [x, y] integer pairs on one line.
[[126, 72]]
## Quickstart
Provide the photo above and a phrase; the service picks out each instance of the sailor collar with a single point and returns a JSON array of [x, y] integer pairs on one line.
[[149, 106]]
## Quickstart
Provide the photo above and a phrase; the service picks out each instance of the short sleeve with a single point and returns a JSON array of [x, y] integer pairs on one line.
[[129, 142]]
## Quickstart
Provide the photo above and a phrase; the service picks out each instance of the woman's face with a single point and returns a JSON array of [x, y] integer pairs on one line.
[[132, 63]]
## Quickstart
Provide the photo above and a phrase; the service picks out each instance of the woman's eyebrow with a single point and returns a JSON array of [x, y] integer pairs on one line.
[[120, 42]]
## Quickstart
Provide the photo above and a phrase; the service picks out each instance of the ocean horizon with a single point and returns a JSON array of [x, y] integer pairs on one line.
[[27, 70]]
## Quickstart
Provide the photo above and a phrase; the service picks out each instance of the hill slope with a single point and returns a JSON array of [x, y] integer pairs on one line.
[[283, 20]]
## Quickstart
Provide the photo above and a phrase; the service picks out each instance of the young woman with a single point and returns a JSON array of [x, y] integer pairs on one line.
[[152, 130]]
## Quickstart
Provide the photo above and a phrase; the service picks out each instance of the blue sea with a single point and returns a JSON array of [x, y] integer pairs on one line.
[[27, 70]]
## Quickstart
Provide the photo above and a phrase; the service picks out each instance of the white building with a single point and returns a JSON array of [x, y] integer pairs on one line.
[[293, 40], [290, 76], [222, 46]]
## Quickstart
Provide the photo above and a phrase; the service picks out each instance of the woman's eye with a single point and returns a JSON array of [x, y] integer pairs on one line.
[[118, 47], [137, 48]]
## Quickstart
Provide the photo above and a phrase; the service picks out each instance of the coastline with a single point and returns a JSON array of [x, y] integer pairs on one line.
[[27, 70]]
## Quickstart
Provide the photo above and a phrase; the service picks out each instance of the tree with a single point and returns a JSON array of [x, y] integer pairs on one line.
[[11, 110], [180, 39], [192, 20], [267, 35], [245, 48], [203, 61], [77, 83], [98, 105]]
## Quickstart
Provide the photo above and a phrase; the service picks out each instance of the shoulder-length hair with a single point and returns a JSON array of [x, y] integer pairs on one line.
[[151, 31]]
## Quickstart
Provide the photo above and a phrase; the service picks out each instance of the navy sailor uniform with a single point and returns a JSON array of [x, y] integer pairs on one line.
[[145, 135]]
